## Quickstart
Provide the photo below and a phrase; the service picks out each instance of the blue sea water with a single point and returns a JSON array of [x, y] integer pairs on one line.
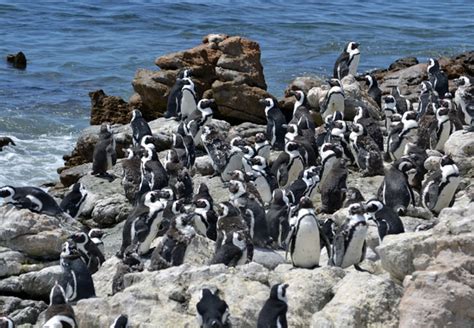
[[74, 48]]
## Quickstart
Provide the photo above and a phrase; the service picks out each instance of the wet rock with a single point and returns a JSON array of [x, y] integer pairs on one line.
[[21, 311], [110, 109], [18, 60], [361, 300]]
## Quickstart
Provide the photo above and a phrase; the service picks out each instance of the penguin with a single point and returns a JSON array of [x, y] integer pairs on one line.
[[230, 219], [301, 115], [277, 218], [305, 138], [370, 125], [417, 155], [120, 322], [201, 116], [31, 198], [387, 220], [440, 187], [248, 178], [348, 61], [401, 135], [248, 152], [187, 101], [389, 109], [104, 156], [273, 313], [216, 148], [76, 279], [339, 135], [211, 310], [334, 99], [175, 97], [141, 226], [330, 156], [172, 247], [349, 244], [289, 164], [444, 128], [373, 89], [353, 195], [153, 174], [253, 213], [395, 191], [234, 249], [140, 127], [403, 104], [276, 124], [132, 175], [90, 253], [95, 236], [203, 193], [262, 146], [425, 98], [333, 187], [265, 180], [59, 313], [205, 218], [305, 185], [366, 152], [306, 237], [185, 149], [6, 322], [73, 202], [6, 141], [233, 158], [437, 77], [179, 179], [464, 100]]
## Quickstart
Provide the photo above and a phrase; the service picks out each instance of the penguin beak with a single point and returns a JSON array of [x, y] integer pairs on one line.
[[263, 101]]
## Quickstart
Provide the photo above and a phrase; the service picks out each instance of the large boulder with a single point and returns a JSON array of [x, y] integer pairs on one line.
[[460, 146], [110, 109], [225, 68]]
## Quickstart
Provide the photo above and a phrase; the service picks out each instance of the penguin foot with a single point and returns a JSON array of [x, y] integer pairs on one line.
[[107, 176], [358, 268]]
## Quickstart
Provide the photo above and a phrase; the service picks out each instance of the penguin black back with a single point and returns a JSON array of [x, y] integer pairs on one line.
[[273, 313]]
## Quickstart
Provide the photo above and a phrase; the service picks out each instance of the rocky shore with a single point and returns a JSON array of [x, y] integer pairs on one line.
[[418, 278]]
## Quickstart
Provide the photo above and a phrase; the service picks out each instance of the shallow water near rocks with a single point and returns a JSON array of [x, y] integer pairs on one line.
[[74, 48]]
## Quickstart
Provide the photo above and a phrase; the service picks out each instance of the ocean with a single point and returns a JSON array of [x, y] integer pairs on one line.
[[74, 48]]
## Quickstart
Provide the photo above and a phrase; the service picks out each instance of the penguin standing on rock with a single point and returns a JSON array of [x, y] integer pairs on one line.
[[277, 218], [438, 78], [387, 220], [273, 313], [212, 311], [348, 61], [403, 104], [59, 313], [444, 128], [333, 187], [305, 185], [276, 124], [265, 180], [140, 127], [104, 156], [73, 202], [334, 99], [200, 117], [370, 125], [301, 116], [31, 198], [401, 135], [175, 97], [262, 146], [366, 152], [464, 99], [288, 165], [95, 236], [132, 175], [153, 174], [90, 253], [205, 218], [373, 89], [389, 109]]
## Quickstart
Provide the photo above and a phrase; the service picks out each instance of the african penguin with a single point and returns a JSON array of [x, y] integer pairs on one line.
[[248, 178], [437, 77], [104, 156], [366, 152], [387, 220], [348, 61], [59, 313], [6, 141], [132, 175], [31, 198], [216, 147], [373, 89], [440, 187], [305, 185], [333, 187], [153, 174], [6, 322], [233, 158], [353, 195], [140, 127], [212, 311], [262, 146], [73, 202], [200, 116], [370, 125], [400, 135], [464, 99], [234, 249], [276, 123], [301, 115], [96, 236], [330, 155], [334, 99], [403, 104], [120, 322], [265, 180], [203, 192], [389, 108], [349, 244], [187, 101], [90, 253], [277, 218], [273, 313], [289, 164], [175, 97], [444, 128], [205, 218]]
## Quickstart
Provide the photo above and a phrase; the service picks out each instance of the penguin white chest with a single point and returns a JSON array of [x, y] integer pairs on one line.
[[447, 194], [188, 104], [336, 103], [306, 244], [199, 224], [445, 132], [263, 189], [354, 64], [154, 226], [353, 253]]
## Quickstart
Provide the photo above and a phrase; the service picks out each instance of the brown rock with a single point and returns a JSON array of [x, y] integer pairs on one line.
[[304, 83], [403, 63], [111, 109], [153, 92]]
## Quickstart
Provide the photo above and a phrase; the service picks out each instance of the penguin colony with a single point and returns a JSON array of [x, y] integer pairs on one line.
[[269, 202]]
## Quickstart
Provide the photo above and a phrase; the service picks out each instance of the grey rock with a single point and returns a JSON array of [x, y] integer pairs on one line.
[[270, 259], [21, 311], [460, 146]]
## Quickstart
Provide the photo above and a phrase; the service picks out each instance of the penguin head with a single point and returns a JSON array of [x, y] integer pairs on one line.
[[446, 160], [433, 66], [279, 197], [147, 142], [359, 129], [334, 83], [404, 164], [185, 73], [370, 81], [69, 250], [462, 81], [105, 129], [136, 114], [238, 142], [166, 194], [260, 138], [237, 175], [373, 206], [339, 128], [178, 207], [292, 129], [352, 47], [389, 102], [202, 203], [442, 111], [298, 94], [96, 233], [269, 104], [236, 187], [183, 223], [205, 103], [426, 86], [409, 116], [212, 312], [312, 172], [278, 292], [354, 194], [356, 209], [80, 238], [57, 295], [153, 200], [7, 192], [187, 83], [291, 147], [226, 209], [305, 203], [120, 322], [258, 162], [172, 156]]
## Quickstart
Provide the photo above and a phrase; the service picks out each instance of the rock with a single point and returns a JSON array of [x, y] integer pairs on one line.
[[361, 300], [460, 146], [304, 83], [103, 278], [403, 63], [217, 190], [18, 60], [108, 109], [70, 176], [200, 251], [21, 311], [10, 262], [203, 165], [267, 257], [35, 235], [247, 130]]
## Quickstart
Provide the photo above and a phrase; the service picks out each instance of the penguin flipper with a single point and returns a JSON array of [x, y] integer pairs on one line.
[[324, 241], [338, 249], [431, 195]]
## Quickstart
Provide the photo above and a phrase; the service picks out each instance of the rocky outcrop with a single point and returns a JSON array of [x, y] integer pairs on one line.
[[460, 146], [21, 311], [108, 109], [225, 68]]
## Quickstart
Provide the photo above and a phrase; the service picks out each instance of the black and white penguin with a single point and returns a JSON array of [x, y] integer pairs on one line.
[[387, 220], [289, 164], [301, 115], [366, 152], [6, 322], [216, 148], [305, 185], [389, 108], [76, 279], [212, 311], [203, 193], [349, 244], [179, 178], [233, 158], [104, 156], [173, 245], [95, 236], [273, 313], [373, 89], [425, 97], [334, 99], [370, 125], [153, 174], [6, 141], [402, 134], [248, 178], [330, 155], [59, 313], [187, 101], [403, 104], [73, 202], [201, 116], [353, 195], [395, 190], [120, 322], [205, 218], [142, 225], [140, 127], [230, 219], [132, 175], [339, 135], [437, 77], [265, 180], [276, 123], [262, 146], [184, 140], [440, 187], [348, 61], [182, 93], [417, 156], [31, 198], [333, 187], [444, 128], [306, 237], [306, 139], [248, 152], [464, 99], [233, 250], [90, 253], [277, 218]]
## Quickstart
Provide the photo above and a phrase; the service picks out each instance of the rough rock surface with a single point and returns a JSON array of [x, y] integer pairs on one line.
[[110, 109], [460, 146], [21, 311]]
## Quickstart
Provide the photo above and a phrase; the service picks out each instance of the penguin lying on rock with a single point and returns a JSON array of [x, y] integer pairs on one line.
[[31, 198]]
